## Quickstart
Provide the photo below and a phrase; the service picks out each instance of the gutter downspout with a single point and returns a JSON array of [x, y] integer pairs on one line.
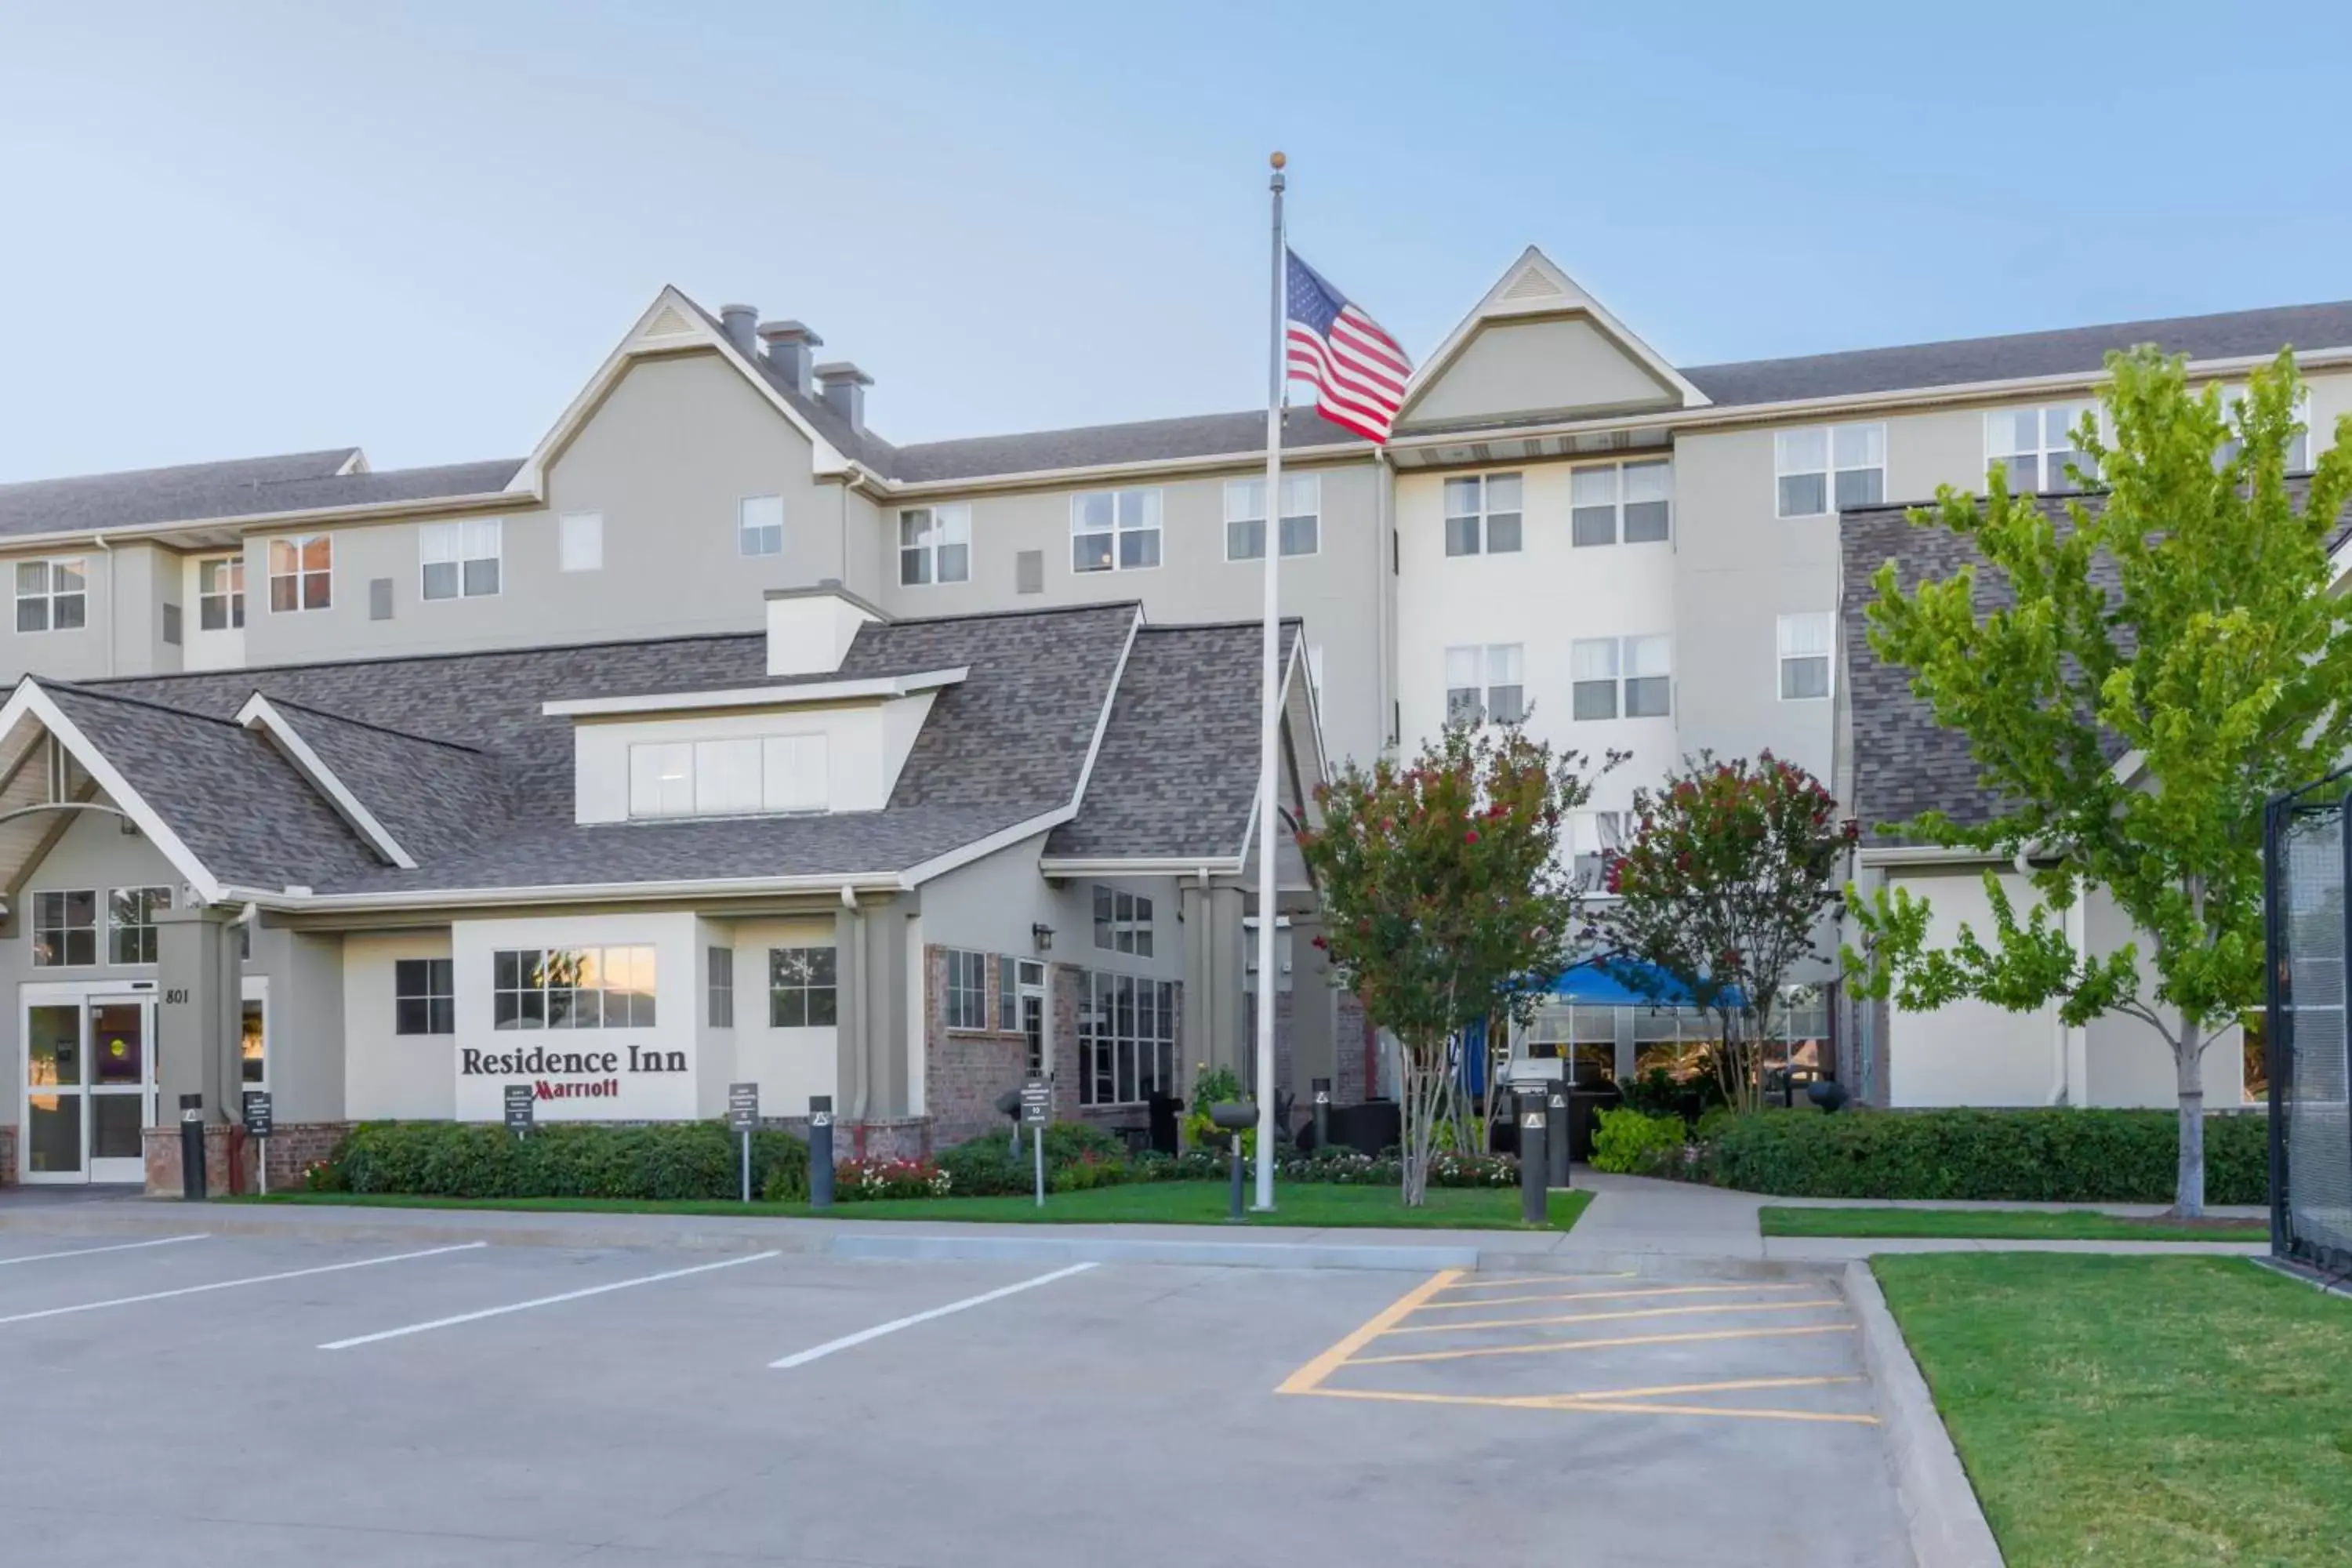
[[865, 999], [113, 620]]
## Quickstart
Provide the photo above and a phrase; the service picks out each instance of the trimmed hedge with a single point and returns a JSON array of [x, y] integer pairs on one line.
[[1077, 1156], [2013, 1156], [565, 1160], [1627, 1140]]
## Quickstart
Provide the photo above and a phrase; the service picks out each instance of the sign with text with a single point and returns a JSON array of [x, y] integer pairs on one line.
[[744, 1107], [1036, 1102], [520, 1101], [256, 1114]]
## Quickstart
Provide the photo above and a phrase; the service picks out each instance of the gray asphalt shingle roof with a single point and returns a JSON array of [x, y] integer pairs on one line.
[[1176, 773], [196, 492], [455, 756]]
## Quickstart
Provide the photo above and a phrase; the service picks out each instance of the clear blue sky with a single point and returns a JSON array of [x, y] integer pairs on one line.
[[242, 228]]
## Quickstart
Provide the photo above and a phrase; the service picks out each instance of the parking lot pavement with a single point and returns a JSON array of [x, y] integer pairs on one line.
[[480, 1405]]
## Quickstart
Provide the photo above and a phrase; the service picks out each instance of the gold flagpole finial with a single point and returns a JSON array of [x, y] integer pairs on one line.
[[1278, 160]]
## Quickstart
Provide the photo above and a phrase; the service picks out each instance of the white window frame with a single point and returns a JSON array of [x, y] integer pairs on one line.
[[42, 924], [941, 529], [439, 998], [1592, 837], [551, 972], [1244, 511], [966, 1007], [1619, 487], [1827, 619], [1150, 505], [1621, 677], [580, 542], [758, 534], [144, 899], [228, 598], [463, 544], [1482, 519], [1832, 469], [811, 974], [295, 547], [2050, 445], [51, 599], [1120, 1066], [1499, 666], [2233, 394], [669, 779]]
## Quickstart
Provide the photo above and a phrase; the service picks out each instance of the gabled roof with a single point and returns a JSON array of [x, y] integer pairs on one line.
[[249, 487], [1144, 441]]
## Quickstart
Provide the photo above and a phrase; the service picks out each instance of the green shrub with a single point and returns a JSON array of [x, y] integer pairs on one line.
[[2015, 1156], [565, 1160], [986, 1166], [879, 1176], [1625, 1140], [1658, 1093]]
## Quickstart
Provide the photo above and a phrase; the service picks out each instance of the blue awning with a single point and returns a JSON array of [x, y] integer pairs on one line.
[[1598, 984]]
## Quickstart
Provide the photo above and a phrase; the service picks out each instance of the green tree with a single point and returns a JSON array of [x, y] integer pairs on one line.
[[1444, 888], [1722, 892], [2171, 656]]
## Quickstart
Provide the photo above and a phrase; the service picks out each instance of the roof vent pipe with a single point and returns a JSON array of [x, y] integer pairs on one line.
[[791, 350], [737, 322], [844, 391]]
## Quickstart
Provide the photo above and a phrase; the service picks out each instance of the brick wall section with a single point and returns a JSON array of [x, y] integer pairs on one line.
[[290, 1146], [1349, 1030], [965, 1069], [7, 1156], [293, 1145]]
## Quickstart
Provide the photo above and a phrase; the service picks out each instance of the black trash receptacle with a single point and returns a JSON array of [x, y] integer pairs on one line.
[[1165, 1110]]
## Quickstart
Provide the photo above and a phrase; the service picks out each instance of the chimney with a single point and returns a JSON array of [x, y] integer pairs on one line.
[[737, 322], [791, 347], [844, 391]]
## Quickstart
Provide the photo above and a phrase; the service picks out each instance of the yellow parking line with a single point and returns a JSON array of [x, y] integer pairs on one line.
[[1539, 1279], [1618, 1316], [1573, 1405], [1730, 1387], [1561, 1345], [1305, 1378], [1609, 1295]]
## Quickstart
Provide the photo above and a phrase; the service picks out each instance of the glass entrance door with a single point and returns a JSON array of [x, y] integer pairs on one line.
[[90, 1089]]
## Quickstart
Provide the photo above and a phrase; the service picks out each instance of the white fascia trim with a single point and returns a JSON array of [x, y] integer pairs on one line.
[[829, 884], [1300, 671], [1141, 865], [638, 343], [259, 714], [864, 689], [28, 698], [1894, 399], [1928, 855], [979, 848], [1102, 720], [1033, 478]]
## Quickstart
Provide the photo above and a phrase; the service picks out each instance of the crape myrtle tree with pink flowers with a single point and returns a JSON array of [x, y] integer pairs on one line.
[[1723, 888], [1444, 890]]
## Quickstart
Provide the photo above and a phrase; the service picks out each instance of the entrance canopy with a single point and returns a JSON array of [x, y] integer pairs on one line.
[[1603, 982]]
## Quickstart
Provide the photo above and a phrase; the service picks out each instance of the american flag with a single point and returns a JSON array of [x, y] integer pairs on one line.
[[1357, 368]]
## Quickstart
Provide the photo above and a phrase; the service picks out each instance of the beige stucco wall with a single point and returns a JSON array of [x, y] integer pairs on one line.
[[1533, 367]]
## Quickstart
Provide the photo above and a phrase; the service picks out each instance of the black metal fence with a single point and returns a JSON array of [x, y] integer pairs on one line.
[[2307, 857]]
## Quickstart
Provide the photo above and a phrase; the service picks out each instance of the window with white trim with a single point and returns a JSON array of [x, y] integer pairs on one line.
[[802, 988], [459, 559], [2035, 446], [1302, 506], [1807, 641], [739, 776], [935, 544], [967, 989], [572, 988], [220, 594], [1485, 680], [580, 542], [1122, 922], [424, 997], [2298, 451], [1114, 530], [1126, 1039], [1593, 837], [1632, 502], [760, 525], [1831, 468], [719, 986], [301, 572], [52, 595], [65, 929], [131, 924], [1621, 677], [1482, 514]]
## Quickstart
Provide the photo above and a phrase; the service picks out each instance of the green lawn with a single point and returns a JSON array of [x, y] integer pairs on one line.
[[1144, 1203], [1998, 1225], [2139, 1412]]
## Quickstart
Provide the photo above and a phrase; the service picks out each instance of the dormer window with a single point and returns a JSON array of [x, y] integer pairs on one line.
[[735, 777]]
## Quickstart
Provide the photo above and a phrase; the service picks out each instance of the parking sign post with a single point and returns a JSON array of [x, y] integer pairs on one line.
[[819, 1150], [520, 1108], [743, 1116], [1036, 1110], [258, 1125]]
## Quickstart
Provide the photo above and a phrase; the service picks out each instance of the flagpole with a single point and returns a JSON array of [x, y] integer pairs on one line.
[[1270, 717]]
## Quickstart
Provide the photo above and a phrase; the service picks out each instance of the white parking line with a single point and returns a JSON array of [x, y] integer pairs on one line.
[[232, 1284], [87, 1251], [802, 1358], [539, 1301]]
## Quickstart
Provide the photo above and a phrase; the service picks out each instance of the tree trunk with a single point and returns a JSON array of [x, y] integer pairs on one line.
[[2189, 1194], [1417, 1107]]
